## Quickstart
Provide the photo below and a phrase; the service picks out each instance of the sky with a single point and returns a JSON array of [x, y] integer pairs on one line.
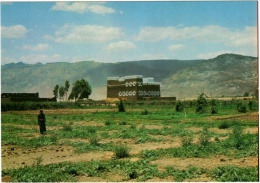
[[47, 32]]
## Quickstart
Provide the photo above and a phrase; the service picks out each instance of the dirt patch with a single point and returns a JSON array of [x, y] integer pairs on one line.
[[207, 163], [240, 117], [137, 148], [15, 157]]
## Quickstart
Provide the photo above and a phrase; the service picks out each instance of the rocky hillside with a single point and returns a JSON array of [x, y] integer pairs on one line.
[[225, 75]]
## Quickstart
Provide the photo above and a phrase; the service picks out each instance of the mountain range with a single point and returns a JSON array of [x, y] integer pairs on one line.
[[225, 75]]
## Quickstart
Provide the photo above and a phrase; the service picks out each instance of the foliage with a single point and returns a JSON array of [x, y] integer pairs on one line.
[[107, 123], [204, 136], [62, 91], [186, 140], [144, 112], [223, 125], [241, 107], [201, 104], [56, 91], [179, 106], [68, 126], [94, 140], [237, 136], [214, 109], [246, 94], [22, 106], [121, 107], [235, 174], [121, 151], [180, 175], [66, 87], [81, 89]]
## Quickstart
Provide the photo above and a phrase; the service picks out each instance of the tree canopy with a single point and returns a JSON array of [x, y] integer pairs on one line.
[[81, 89]]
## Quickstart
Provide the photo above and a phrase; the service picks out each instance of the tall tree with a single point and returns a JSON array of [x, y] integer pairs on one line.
[[62, 91], [67, 85], [56, 91], [81, 89]]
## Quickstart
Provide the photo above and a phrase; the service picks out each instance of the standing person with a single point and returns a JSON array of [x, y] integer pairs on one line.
[[41, 122]]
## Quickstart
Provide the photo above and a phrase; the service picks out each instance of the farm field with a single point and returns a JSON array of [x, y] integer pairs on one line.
[[150, 143]]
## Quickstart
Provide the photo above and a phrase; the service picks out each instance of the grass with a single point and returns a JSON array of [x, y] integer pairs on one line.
[[162, 125]]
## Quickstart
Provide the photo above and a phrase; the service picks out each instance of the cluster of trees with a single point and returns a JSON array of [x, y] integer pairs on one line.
[[81, 89]]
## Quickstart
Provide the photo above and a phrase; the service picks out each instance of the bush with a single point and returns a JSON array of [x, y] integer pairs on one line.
[[144, 112], [223, 125], [68, 126], [204, 137], [201, 103], [91, 129], [237, 136], [187, 140], [121, 107], [122, 123], [94, 140], [121, 151], [107, 123], [241, 107], [179, 106]]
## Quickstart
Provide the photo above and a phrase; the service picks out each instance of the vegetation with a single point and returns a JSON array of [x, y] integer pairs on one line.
[[131, 146], [201, 104], [81, 89], [121, 107]]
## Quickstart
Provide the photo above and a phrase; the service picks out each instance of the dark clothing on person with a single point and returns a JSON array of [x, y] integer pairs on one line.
[[41, 122]]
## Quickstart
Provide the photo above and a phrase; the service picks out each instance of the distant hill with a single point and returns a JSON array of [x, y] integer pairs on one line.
[[226, 74]]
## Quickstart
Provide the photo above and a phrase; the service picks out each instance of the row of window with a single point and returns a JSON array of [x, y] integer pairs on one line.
[[140, 93]]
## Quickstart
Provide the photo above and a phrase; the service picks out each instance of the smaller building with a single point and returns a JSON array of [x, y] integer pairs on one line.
[[133, 87], [24, 97]]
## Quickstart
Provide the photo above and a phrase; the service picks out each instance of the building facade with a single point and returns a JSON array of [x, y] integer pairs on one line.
[[132, 87]]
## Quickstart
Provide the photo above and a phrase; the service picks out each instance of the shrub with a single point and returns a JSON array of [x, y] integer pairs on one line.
[[94, 140], [232, 173], [121, 151], [107, 123], [204, 136], [91, 129], [122, 123], [121, 107], [237, 136], [241, 107], [179, 106], [186, 140], [223, 125], [144, 112], [68, 126], [201, 103]]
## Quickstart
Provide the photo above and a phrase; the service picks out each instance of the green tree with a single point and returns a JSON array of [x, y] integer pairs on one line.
[[67, 86], [201, 103], [56, 91], [81, 89], [62, 91]]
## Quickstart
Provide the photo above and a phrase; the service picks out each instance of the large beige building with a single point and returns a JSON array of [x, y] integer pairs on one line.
[[134, 87]]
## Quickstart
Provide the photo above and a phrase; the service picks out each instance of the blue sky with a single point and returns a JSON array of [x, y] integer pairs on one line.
[[45, 32]]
